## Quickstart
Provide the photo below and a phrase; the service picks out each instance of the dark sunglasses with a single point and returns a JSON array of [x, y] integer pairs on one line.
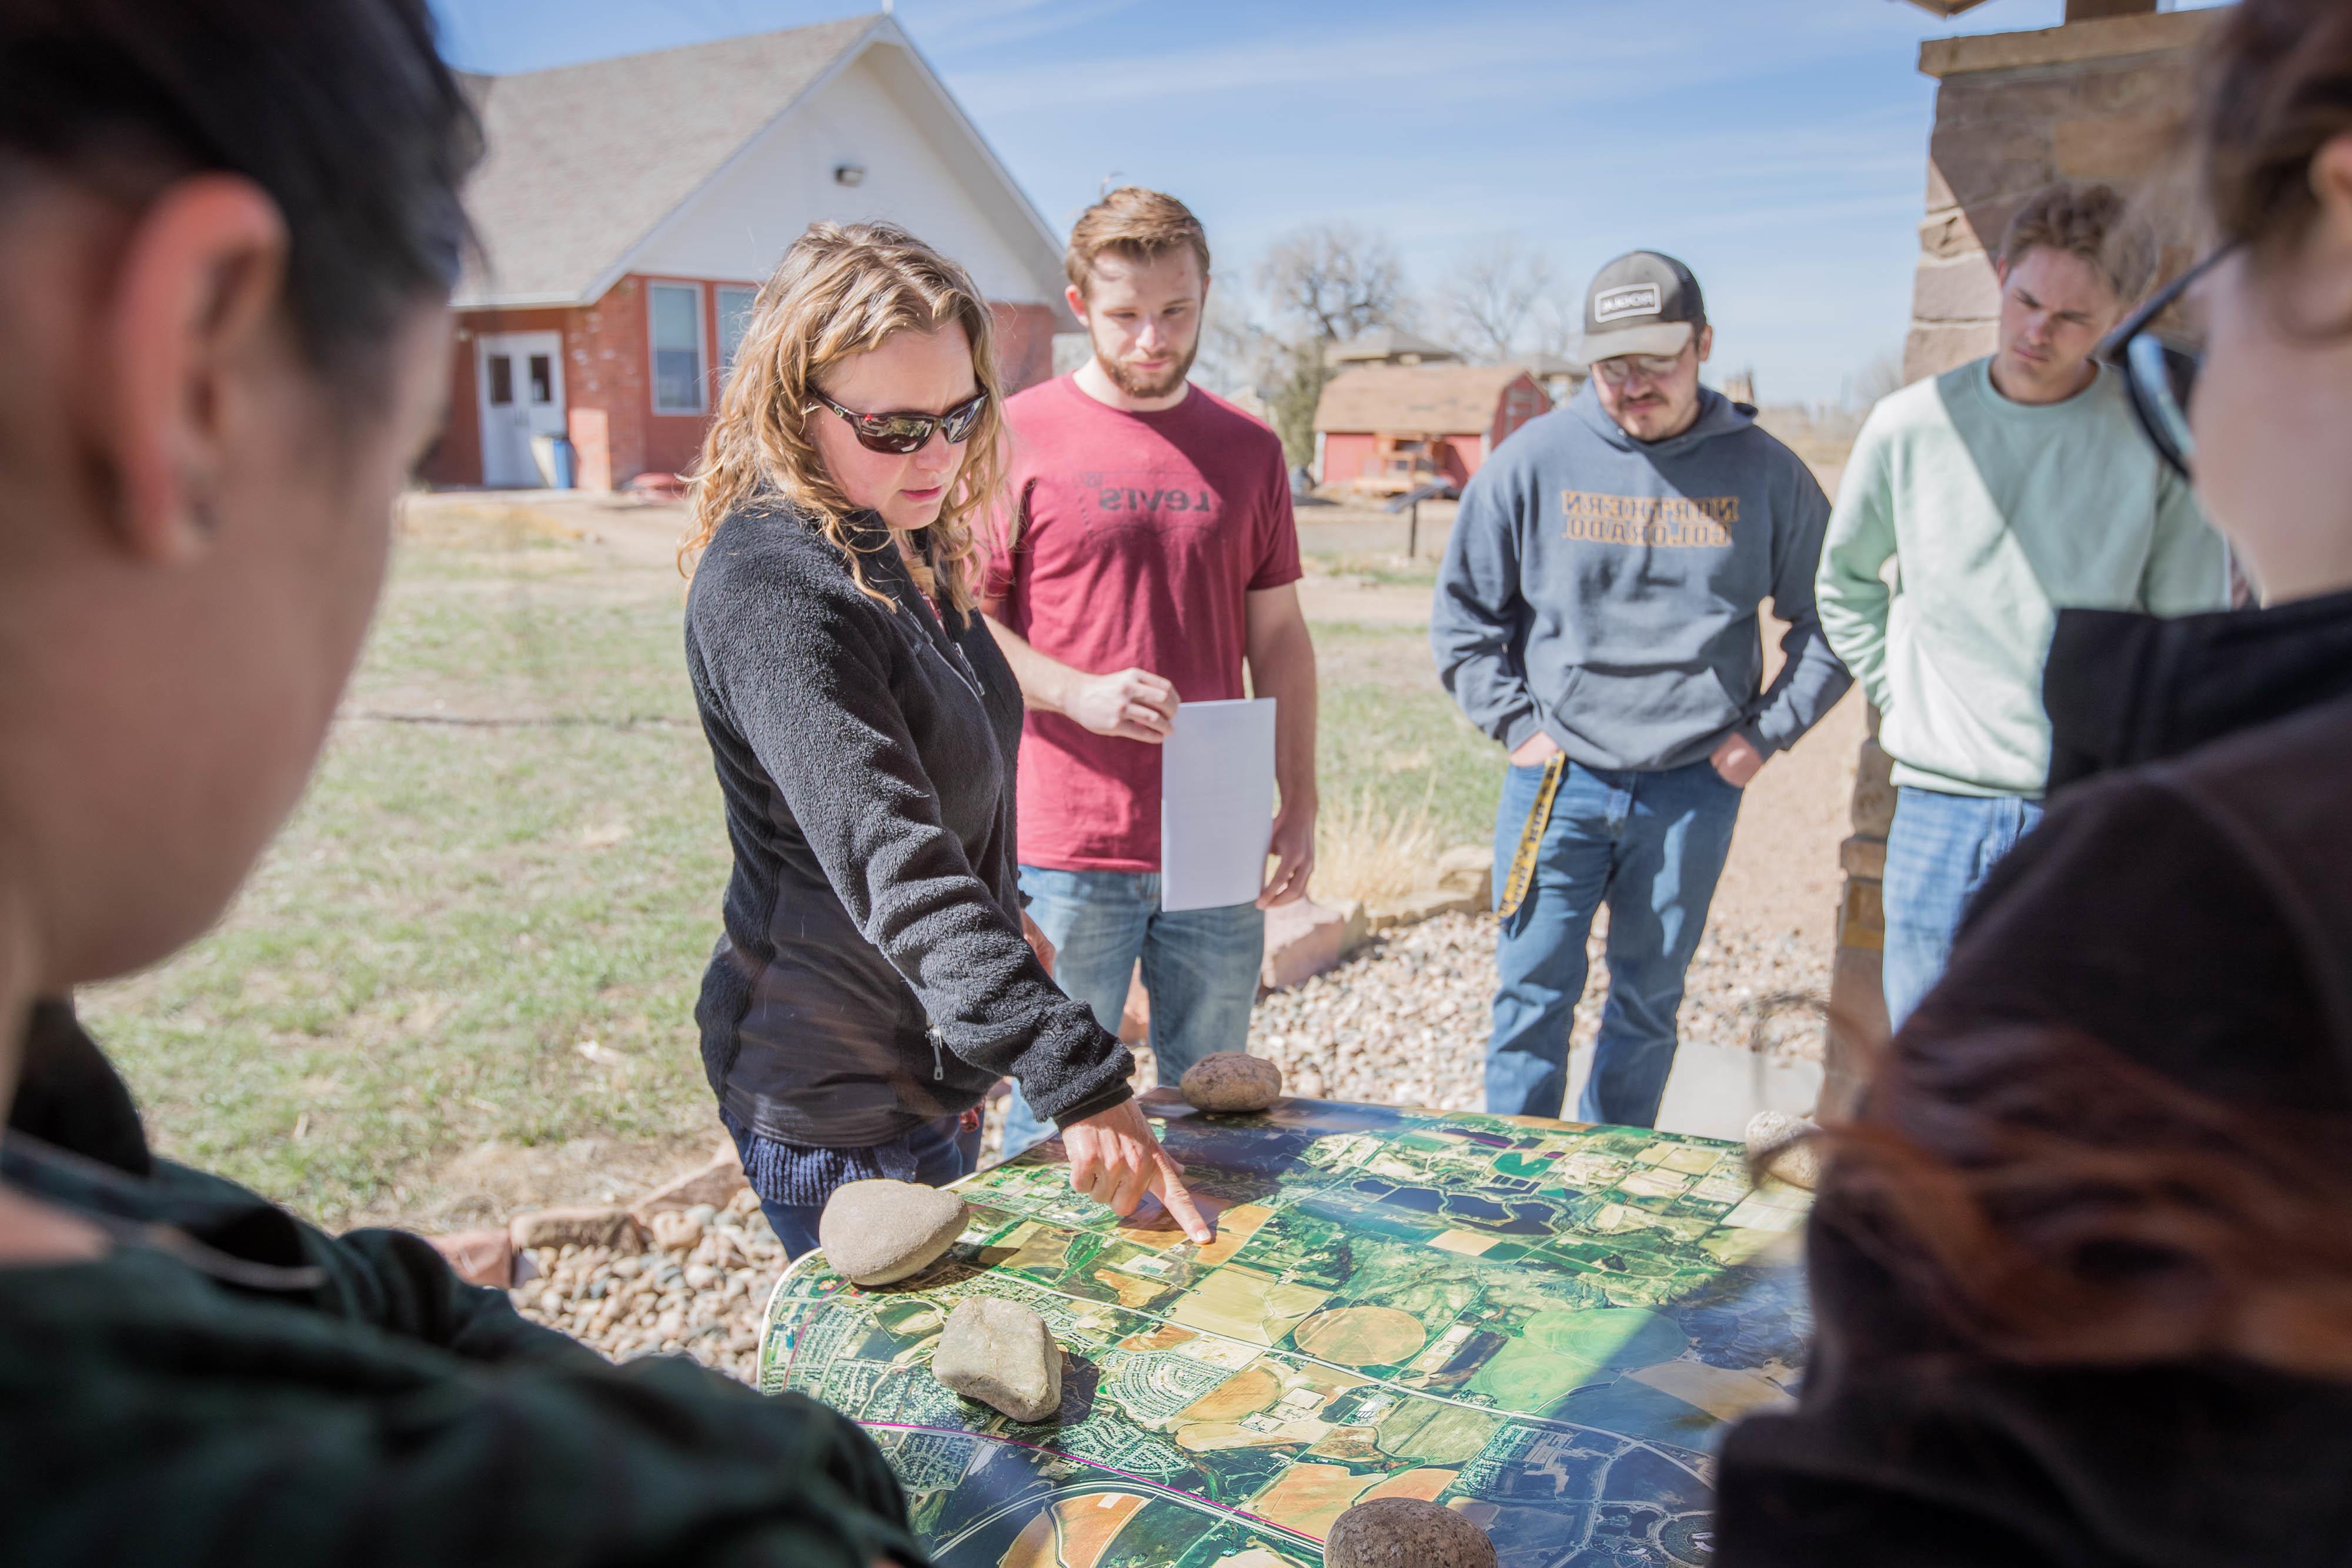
[[2160, 373], [899, 434]]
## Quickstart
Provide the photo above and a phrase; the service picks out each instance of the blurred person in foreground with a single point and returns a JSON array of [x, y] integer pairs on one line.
[[875, 975], [1599, 612], [2001, 490], [227, 232], [2082, 1261]]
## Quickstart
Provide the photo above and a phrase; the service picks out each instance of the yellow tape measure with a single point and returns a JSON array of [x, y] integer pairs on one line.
[[1523, 859]]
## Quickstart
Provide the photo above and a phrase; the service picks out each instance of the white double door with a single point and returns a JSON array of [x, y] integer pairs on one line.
[[520, 381]]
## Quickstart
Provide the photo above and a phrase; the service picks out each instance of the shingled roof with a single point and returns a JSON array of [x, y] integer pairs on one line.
[[1429, 400], [584, 161]]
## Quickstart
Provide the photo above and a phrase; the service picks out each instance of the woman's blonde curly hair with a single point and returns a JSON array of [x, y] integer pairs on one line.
[[843, 290]]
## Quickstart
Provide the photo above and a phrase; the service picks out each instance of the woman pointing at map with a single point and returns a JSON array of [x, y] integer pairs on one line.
[[873, 978]]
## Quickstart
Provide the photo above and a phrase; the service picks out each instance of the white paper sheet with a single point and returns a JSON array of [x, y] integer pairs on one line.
[[1216, 804]]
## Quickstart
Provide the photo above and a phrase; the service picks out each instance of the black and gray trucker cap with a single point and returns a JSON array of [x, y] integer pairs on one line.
[[1642, 303]]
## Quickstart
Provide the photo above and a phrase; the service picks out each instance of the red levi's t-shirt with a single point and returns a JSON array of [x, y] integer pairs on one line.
[[1140, 537]]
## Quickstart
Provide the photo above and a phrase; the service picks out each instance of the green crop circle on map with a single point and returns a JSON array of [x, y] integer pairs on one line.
[[1557, 1353], [1360, 1336]]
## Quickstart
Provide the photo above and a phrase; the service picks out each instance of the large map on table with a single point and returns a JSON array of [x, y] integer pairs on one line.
[[1539, 1324]]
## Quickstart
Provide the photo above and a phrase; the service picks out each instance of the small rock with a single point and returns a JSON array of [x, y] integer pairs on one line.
[[586, 1227], [479, 1257], [1469, 867], [876, 1233], [1232, 1081], [1797, 1162], [674, 1229], [1406, 1532], [1002, 1355], [1304, 938], [719, 1180]]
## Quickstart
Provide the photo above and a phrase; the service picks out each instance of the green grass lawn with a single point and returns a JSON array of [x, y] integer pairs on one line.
[[491, 935]]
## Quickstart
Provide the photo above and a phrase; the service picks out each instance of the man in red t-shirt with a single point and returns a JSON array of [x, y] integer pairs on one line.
[[1148, 554]]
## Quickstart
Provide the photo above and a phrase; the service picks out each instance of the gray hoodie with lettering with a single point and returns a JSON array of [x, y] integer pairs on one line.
[[1605, 590]]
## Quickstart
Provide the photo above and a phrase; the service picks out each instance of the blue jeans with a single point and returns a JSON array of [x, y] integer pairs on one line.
[[943, 1152], [1652, 845], [1200, 967], [1939, 852]]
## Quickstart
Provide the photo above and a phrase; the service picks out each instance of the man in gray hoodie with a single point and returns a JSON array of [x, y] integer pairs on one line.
[[1597, 613]]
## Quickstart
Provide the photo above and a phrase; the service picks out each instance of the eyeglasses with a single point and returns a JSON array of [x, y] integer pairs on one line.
[[2160, 373], [899, 434], [1622, 368]]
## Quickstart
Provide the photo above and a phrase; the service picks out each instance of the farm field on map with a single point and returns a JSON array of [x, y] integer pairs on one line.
[[1538, 1323]]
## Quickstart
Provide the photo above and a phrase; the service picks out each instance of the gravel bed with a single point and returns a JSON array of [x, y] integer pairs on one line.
[[1403, 1023], [701, 1295]]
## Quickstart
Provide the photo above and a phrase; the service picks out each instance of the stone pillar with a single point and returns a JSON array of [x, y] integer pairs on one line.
[[2094, 99]]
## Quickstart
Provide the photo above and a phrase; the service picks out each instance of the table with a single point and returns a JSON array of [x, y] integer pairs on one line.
[[1542, 1324]]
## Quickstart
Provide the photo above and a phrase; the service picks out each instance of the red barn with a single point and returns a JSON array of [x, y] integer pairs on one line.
[[629, 209], [1384, 429]]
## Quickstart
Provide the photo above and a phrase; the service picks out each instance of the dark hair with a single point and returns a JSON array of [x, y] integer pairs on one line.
[[341, 110], [2277, 87]]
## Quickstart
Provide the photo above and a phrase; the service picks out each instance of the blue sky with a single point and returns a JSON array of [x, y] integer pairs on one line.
[[1778, 147]]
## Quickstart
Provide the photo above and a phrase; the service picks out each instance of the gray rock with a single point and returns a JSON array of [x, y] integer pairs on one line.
[[1232, 1081], [1797, 1164], [877, 1232], [1406, 1532], [1002, 1355]]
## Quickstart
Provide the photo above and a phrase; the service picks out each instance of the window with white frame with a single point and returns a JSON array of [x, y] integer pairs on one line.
[[674, 323], [734, 316]]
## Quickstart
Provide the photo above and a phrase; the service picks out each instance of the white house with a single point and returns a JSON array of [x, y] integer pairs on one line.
[[629, 208]]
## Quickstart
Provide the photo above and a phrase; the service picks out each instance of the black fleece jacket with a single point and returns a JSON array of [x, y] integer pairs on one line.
[[865, 751]]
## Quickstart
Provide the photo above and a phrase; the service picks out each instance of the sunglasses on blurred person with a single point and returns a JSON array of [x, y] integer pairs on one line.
[[1626, 369], [2159, 367], [900, 434]]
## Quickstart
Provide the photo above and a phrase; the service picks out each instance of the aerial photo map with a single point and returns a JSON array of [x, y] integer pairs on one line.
[[1540, 1324]]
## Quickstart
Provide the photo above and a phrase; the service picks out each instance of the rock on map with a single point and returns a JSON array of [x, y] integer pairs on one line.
[[1538, 1323]]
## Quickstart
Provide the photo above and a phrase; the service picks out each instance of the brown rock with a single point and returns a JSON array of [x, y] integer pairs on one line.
[[1304, 938], [1406, 1532], [879, 1232], [479, 1257], [1232, 1081], [579, 1226], [1002, 1355], [1778, 1140], [1468, 869], [716, 1182]]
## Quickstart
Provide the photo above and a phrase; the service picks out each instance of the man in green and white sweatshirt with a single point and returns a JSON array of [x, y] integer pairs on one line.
[[2001, 490]]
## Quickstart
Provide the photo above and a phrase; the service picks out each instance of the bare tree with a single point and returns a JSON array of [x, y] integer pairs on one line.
[[1333, 280], [1557, 324], [1237, 352], [1882, 375], [1492, 295]]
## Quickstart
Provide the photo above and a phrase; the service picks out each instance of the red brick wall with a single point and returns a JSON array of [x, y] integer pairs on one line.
[[457, 457], [608, 384]]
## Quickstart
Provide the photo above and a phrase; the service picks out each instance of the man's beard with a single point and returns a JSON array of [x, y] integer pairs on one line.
[[1161, 385]]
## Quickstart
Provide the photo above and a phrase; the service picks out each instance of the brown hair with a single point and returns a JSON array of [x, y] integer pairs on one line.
[[2084, 221], [2277, 87], [843, 290], [2053, 1201], [1136, 223]]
